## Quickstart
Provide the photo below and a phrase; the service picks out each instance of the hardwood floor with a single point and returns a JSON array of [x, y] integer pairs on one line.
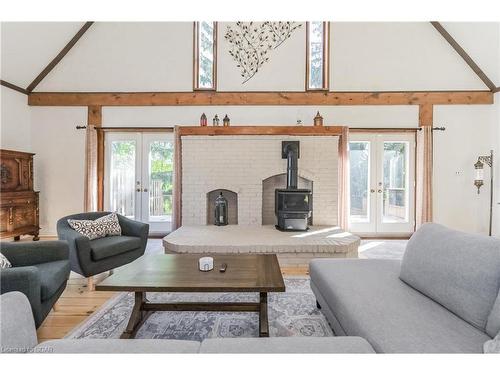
[[77, 303]]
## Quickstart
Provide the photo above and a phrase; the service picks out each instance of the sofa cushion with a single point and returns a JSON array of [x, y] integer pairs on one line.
[[117, 346], [52, 276], [110, 246], [461, 271], [369, 300], [493, 325], [287, 345]]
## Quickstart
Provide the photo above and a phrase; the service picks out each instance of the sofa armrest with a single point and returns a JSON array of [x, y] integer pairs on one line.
[[133, 228], [17, 327], [21, 254], [22, 279]]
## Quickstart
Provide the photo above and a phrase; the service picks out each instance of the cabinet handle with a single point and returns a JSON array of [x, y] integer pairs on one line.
[[379, 190], [372, 190]]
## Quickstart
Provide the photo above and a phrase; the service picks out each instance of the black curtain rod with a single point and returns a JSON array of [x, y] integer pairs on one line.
[[440, 128]]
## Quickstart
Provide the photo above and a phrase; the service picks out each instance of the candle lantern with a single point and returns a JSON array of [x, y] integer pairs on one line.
[[479, 178], [318, 120], [203, 119], [225, 121], [215, 121], [221, 210]]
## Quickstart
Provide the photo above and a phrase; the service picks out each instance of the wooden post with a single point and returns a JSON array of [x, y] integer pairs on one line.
[[95, 118], [90, 284]]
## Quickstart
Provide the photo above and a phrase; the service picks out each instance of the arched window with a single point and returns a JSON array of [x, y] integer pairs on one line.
[[205, 55], [317, 55]]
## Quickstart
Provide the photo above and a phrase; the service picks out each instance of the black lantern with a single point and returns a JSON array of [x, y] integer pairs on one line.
[[221, 210]]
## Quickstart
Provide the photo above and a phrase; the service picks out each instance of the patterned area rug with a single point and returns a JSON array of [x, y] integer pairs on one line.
[[292, 313]]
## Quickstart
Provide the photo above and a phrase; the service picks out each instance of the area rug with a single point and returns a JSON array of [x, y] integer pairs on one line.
[[292, 313]]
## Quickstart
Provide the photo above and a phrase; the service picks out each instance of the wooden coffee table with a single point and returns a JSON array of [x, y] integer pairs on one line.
[[179, 273]]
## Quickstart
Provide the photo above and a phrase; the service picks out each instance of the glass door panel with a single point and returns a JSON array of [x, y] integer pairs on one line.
[[396, 180], [120, 171], [362, 207], [359, 158], [395, 192], [158, 180]]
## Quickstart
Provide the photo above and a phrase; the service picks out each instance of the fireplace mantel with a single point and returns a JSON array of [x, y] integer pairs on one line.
[[297, 130]]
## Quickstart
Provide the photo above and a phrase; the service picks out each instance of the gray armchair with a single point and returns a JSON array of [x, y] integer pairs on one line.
[[40, 270], [91, 257]]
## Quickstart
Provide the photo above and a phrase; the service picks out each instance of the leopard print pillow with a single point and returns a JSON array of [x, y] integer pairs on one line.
[[93, 229]]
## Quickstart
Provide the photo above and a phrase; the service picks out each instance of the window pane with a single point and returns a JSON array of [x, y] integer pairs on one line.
[[395, 208], [122, 179], [161, 154], [316, 61], [359, 160], [205, 54]]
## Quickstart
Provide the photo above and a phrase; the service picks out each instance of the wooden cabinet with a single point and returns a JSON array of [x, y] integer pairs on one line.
[[19, 208]]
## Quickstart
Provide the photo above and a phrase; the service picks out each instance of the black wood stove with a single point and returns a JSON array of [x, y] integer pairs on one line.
[[292, 206]]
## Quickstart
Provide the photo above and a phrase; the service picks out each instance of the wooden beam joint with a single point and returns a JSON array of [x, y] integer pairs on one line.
[[425, 115]]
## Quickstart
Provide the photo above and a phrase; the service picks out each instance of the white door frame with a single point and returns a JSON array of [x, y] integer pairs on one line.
[[141, 174], [375, 226]]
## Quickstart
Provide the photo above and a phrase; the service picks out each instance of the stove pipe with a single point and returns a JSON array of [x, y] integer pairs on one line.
[[291, 150]]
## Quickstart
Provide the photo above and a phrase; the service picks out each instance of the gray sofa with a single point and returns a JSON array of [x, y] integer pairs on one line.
[[18, 335], [442, 298], [40, 270], [91, 257]]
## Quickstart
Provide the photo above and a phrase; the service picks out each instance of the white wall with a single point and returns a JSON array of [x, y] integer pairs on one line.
[[15, 121], [470, 131], [364, 56], [354, 116], [372, 56], [121, 56], [59, 163]]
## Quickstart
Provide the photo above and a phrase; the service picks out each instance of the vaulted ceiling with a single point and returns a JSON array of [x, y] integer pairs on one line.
[[27, 48]]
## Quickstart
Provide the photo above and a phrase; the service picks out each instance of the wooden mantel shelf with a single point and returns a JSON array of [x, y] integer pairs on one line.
[[260, 130]]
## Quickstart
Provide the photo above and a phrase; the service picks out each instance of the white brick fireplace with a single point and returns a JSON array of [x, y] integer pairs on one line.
[[241, 163]]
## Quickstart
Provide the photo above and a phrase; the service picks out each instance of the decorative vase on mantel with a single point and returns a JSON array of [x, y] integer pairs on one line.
[[203, 119]]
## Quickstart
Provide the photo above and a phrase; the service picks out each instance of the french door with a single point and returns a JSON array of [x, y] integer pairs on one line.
[[138, 177], [382, 183]]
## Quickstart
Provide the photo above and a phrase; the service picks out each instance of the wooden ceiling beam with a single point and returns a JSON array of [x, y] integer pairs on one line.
[[59, 56], [464, 55], [13, 87], [204, 98]]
